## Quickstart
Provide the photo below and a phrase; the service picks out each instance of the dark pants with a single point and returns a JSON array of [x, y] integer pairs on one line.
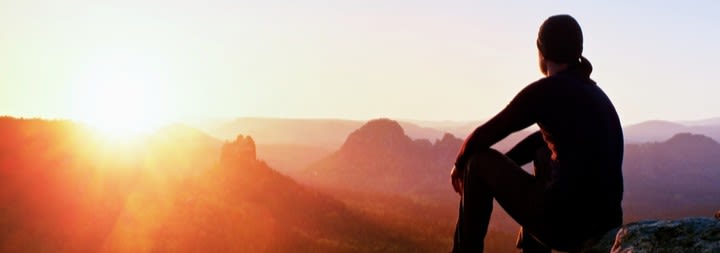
[[490, 174]]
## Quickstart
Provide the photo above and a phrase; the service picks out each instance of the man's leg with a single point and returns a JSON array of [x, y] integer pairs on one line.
[[474, 215], [542, 168], [490, 174]]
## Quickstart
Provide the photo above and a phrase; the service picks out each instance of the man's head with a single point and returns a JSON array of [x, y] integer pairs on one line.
[[560, 41]]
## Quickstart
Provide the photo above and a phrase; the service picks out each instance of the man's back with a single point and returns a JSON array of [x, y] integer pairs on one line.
[[582, 129]]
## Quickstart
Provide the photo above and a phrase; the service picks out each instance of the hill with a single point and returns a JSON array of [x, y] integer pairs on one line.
[[379, 161], [290, 145], [660, 130], [654, 130], [326, 133], [242, 205], [330, 133], [64, 189], [380, 157], [680, 175]]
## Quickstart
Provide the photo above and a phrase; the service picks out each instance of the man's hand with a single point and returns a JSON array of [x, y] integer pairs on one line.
[[456, 178]]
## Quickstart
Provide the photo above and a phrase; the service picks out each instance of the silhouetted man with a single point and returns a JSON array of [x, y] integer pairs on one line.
[[577, 188]]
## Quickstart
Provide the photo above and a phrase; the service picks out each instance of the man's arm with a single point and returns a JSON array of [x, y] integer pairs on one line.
[[524, 152], [517, 115]]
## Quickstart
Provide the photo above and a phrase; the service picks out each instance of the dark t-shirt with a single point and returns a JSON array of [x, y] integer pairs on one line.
[[579, 124]]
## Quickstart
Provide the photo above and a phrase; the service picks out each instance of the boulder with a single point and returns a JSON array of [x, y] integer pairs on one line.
[[695, 234]]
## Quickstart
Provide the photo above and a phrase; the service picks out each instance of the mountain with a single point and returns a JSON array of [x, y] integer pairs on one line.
[[663, 180], [672, 179], [291, 144], [242, 205], [331, 133], [654, 130], [380, 157], [381, 170], [659, 130], [379, 161], [65, 189], [325, 133]]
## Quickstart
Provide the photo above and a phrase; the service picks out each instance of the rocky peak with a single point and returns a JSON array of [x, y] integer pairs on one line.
[[240, 151], [448, 140], [377, 133]]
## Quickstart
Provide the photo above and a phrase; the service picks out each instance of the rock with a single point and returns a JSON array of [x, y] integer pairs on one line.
[[239, 152], [384, 134], [696, 234]]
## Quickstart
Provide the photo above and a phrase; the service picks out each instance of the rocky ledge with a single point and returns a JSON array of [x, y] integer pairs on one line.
[[695, 234]]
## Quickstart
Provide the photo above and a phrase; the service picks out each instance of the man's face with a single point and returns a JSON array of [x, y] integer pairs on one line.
[[543, 65]]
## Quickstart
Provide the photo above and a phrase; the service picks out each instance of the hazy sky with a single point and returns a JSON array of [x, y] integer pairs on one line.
[[431, 60]]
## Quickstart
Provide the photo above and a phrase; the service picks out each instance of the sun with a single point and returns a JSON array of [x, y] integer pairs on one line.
[[120, 96], [121, 108]]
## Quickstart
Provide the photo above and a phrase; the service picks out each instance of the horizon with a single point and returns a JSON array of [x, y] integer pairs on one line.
[[420, 122], [132, 65], [436, 125]]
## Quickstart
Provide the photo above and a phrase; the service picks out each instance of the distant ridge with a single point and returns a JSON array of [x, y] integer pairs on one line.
[[653, 130], [660, 130], [326, 133], [380, 157], [680, 174], [331, 133]]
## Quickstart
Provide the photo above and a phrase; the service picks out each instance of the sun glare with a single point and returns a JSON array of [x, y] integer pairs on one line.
[[119, 95], [120, 107]]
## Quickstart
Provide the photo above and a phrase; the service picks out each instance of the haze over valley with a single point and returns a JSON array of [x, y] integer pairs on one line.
[[308, 188]]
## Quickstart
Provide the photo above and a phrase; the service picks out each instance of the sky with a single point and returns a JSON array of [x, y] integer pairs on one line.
[[159, 61]]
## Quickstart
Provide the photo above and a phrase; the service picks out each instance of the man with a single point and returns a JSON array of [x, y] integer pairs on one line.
[[577, 188]]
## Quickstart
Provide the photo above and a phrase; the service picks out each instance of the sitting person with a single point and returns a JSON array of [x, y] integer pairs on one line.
[[577, 188]]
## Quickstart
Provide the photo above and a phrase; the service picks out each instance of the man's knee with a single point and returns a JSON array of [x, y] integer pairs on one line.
[[485, 161], [486, 156]]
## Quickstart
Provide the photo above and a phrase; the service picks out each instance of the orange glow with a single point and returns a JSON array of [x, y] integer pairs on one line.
[[118, 94]]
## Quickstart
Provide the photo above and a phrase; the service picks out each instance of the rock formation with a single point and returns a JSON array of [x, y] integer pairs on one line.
[[695, 234], [239, 152], [380, 157], [381, 134]]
